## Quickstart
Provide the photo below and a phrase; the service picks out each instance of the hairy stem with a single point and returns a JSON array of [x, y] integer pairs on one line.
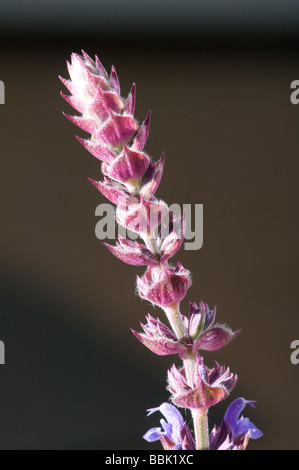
[[176, 321], [151, 243], [201, 430], [199, 415]]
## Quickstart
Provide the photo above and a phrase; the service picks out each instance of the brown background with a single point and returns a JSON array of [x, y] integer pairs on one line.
[[75, 377]]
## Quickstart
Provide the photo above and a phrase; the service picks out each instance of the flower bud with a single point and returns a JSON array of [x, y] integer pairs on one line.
[[132, 252], [209, 386], [159, 338], [127, 167], [164, 286], [142, 217], [105, 114], [202, 331]]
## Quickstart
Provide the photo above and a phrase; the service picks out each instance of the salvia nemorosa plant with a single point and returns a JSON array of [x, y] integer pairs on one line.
[[130, 181]]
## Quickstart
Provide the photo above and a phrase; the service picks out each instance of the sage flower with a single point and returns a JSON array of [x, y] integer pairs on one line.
[[130, 179], [234, 432], [174, 434]]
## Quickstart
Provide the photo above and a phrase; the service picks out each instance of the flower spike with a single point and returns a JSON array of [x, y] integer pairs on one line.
[[131, 179]]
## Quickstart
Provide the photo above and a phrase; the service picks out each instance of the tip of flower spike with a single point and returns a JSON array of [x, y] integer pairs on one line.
[[130, 102], [70, 65], [86, 56], [68, 84], [114, 82], [142, 135], [74, 57], [100, 67]]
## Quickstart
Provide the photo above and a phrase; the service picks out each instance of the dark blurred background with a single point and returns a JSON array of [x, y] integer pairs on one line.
[[216, 76]]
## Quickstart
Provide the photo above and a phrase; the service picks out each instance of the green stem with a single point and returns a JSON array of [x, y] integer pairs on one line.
[[201, 430], [199, 415], [151, 244], [176, 321]]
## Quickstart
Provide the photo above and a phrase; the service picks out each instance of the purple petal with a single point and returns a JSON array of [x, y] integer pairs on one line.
[[167, 428], [240, 426], [152, 435], [209, 314], [173, 417]]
